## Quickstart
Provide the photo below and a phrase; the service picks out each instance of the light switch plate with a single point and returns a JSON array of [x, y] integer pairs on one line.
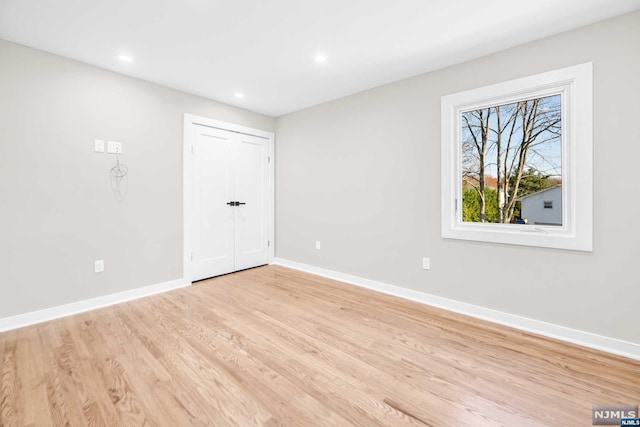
[[99, 146], [99, 266], [426, 263], [114, 147]]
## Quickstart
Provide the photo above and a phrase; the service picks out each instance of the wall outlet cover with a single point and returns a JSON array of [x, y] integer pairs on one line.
[[114, 147]]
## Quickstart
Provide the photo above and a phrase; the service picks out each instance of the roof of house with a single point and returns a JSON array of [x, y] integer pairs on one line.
[[489, 181], [539, 192]]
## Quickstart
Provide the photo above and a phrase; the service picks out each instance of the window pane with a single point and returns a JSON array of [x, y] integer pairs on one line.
[[512, 162]]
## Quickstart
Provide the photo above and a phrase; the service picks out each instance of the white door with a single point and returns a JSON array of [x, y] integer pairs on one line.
[[230, 202], [252, 191]]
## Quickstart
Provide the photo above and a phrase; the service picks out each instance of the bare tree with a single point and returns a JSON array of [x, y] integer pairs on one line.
[[477, 123], [520, 135]]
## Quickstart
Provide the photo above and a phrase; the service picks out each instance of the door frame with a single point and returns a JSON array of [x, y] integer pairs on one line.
[[188, 138]]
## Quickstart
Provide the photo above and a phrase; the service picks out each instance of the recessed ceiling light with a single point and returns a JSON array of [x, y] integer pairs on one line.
[[321, 57], [239, 95], [125, 58]]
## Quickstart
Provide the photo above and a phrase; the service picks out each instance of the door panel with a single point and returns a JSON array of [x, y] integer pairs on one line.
[[214, 221], [252, 188]]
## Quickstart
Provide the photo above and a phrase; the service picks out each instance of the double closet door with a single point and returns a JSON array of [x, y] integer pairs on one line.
[[230, 202]]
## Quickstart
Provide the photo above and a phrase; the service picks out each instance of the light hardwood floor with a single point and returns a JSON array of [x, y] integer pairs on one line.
[[273, 346]]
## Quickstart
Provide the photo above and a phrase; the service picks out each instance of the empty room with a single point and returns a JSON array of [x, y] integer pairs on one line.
[[305, 213]]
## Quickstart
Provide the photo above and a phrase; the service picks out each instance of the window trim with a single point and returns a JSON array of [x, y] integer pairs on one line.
[[575, 83]]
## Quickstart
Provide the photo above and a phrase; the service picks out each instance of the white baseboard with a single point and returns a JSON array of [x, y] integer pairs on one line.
[[586, 339], [31, 318]]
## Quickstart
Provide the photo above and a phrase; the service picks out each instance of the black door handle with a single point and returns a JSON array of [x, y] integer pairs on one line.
[[231, 203], [240, 203]]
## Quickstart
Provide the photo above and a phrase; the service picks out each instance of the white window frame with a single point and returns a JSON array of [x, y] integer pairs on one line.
[[575, 84]]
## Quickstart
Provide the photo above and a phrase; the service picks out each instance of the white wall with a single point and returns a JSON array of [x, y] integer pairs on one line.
[[57, 212], [362, 175]]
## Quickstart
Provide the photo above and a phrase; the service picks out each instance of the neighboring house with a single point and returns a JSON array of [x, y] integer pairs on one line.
[[543, 207]]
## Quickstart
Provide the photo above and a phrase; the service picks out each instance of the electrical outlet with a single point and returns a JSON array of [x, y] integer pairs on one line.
[[99, 146], [426, 263], [99, 266], [317, 244]]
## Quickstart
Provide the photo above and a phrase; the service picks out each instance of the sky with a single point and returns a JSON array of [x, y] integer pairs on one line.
[[545, 155]]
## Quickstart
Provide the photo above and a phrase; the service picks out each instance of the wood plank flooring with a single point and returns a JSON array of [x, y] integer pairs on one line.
[[272, 346]]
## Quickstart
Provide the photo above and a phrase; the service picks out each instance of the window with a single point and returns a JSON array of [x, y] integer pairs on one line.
[[514, 150]]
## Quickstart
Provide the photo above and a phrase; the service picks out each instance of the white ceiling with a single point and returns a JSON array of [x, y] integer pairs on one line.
[[266, 48]]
